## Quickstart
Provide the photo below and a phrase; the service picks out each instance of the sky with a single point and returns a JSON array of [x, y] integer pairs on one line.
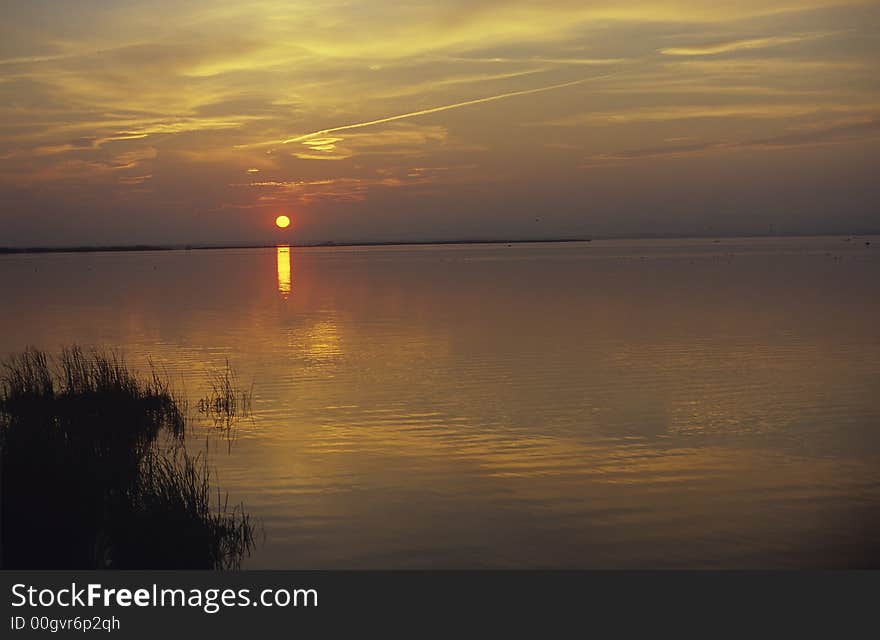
[[127, 121]]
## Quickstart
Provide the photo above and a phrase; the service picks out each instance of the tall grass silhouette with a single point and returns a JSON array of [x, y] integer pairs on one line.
[[94, 472], [227, 402]]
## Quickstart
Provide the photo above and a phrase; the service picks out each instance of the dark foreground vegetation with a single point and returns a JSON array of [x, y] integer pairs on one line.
[[94, 472]]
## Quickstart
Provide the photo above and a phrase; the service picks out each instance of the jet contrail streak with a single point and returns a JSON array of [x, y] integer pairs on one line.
[[446, 107]]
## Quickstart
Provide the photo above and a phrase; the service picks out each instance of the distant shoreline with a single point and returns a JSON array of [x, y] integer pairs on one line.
[[391, 243], [146, 247]]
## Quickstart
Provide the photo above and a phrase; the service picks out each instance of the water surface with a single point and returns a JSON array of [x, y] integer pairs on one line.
[[653, 403]]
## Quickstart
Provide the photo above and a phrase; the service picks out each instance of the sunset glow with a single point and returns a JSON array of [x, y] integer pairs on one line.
[[282, 258], [447, 120], [581, 284]]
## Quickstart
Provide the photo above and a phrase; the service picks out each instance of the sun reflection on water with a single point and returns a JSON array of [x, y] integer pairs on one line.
[[284, 281]]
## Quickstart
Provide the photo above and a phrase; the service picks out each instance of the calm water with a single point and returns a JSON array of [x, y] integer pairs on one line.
[[607, 404]]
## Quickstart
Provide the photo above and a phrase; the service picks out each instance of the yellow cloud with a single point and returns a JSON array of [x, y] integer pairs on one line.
[[722, 111], [738, 45]]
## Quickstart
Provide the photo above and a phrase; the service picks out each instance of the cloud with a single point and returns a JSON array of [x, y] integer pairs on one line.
[[280, 192], [761, 111], [739, 45], [829, 135], [403, 139], [134, 180]]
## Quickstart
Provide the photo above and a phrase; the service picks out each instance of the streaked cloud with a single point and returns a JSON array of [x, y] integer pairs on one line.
[[739, 45], [861, 130], [757, 110]]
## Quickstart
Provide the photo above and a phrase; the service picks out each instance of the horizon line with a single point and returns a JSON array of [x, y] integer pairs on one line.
[[374, 243]]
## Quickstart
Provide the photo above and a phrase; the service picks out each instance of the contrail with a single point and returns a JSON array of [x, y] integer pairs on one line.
[[446, 107]]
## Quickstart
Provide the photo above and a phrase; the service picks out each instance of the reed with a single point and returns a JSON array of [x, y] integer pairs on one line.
[[227, 400], [94, 471], [171, 519]]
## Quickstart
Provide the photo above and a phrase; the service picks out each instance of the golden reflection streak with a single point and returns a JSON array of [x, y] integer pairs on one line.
[[283, 259]]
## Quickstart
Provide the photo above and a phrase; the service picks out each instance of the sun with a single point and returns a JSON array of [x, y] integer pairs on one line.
[[282, 222]]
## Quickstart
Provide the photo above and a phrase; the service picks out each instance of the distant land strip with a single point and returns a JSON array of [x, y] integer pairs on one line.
[[395, 243], [391, 243]]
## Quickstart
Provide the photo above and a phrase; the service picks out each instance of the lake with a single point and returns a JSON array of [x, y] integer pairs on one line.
[[615, 403]]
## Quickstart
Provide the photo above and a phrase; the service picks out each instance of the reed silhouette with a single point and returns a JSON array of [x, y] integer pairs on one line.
[[227, 402], [94, 472]]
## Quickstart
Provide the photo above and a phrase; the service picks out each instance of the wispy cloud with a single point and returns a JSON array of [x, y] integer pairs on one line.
[[407, 139], [275, 192], [834, 134], [739, 45], [758, 111]]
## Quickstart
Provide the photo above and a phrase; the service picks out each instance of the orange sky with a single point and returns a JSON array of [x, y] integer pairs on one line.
[[127, 122]]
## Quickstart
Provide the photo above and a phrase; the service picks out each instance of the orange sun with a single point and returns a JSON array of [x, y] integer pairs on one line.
[[282, 222]]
